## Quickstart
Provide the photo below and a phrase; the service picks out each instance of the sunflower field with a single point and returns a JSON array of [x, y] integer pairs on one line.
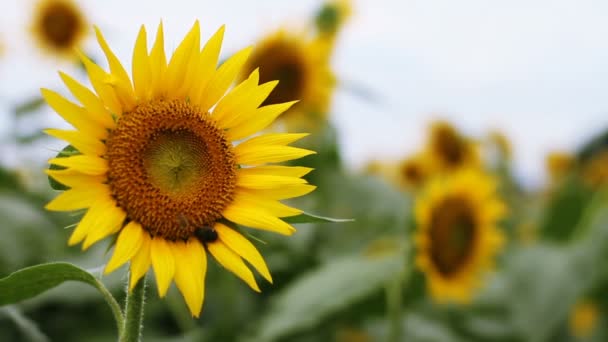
[[229, 172]]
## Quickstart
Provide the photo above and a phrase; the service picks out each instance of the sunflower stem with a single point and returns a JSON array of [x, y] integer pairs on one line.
[[114, 306], [394, 303], [134, 312]]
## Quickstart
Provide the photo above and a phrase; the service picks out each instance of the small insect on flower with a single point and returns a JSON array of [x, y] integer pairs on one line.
[[206, 235]]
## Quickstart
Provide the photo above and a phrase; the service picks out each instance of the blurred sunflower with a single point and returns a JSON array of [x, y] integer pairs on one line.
[[457, 235], [583, 319], [559, 164], [159, 168], [595, 170], [413, 172], [448, 150], [302, 67], [59, 26]]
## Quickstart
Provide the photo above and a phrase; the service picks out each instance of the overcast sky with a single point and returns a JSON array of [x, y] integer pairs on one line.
[[537, 70]]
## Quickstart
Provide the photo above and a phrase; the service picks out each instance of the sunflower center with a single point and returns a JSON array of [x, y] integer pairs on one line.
[[170, 168], [452, 235], [60, 24], [282, 62]]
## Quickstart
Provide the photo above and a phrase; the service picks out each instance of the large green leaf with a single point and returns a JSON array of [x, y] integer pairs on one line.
[[326, 290]]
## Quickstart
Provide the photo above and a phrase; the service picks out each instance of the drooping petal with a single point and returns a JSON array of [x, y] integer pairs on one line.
[[101, 83], [244, 248], [124, 86], [140, 262], [190, 270], [77, 116], [232, 262], [95, 216], [255, 218], [95, 108], [127, 245], [113, 220], [161, 252]]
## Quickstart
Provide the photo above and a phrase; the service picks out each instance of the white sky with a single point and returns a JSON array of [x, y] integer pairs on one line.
[[537, 70]]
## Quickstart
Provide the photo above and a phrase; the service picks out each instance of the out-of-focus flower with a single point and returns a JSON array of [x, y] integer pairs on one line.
[[558, 165], [413, 172], [301, 66], [448, 150], [595, 170], [457, 236], [583, 319], [158, 165], [59, 26]]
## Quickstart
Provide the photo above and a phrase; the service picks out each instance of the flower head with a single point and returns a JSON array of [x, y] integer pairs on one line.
[[159, 166], [448, 150], [457, 235], [59, 26]]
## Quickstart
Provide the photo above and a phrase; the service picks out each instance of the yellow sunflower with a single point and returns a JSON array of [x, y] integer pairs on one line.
[[559, 164], [59, 26], [302, 67], [583, 319], [457, 236], [448, 150], [413, 172], [159, 167], [595, 170]]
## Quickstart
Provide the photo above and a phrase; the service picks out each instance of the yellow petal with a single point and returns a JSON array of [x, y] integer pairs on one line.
[[248, 104], [222, 79], [141, 66], [75, 115], [265, 181], [124, 82], [234, 102], [276, 170], [74, 179], [95, 108], [111, 223], [158, 63], [78, 198], [163, 262], [190, 270], [276, 208], [244, 248], [273, 139], [255, 218], [93, 217], [269, 154], [262, 117], [89, 165], [127, 245], [284, 192], [140, 262], [182, 67], [207, 64], [84, 143], [232, 262], [99, 79]]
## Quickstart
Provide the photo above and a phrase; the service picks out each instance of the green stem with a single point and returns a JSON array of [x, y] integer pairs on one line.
[[134, 312], [394, 303], [116, 311]]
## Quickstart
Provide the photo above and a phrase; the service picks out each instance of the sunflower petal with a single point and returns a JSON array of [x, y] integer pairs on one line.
[[158, 63], [104, 90], [190, 270], [222, 79], [116, 67], [207, 63], [128, 243], [283, 192], [184, 62], [276, 170], [78, 198], [94, 216], [82, 142], [244, 248], [249, 103], [77, 116], [266, 181], [140, 262], [255, 218], [89, 165], [261, 119], [161, 252], [273, 207], [141, 66], [112, 221], [234, 102], [269, 154], [95, 108], [74, 179], [232, 262]]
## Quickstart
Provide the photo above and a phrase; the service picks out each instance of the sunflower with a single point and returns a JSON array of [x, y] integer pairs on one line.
[[457, 235], [559, 164], [595, 170], [59, 26], [413, 172], [583, 319], [302, 67], [159, 166], [448, 150]]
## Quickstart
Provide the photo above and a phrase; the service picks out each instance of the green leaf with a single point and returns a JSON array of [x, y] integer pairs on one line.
[[32, 281], [310, 218], [326, 290], [29, 106], [66, 152]]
